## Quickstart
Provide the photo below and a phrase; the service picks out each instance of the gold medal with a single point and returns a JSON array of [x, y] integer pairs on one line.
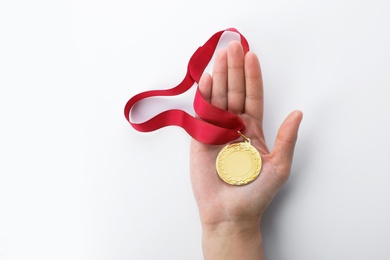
[[239, 163]]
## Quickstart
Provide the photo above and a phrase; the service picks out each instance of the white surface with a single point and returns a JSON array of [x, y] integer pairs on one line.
[[77, 182]]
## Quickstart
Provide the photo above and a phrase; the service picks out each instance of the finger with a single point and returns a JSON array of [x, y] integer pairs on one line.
[[236, 78], [285, 142], [254, 100], [218, 94], [205, 86]]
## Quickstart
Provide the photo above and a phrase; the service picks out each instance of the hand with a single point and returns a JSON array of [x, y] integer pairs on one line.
[[227, 211]]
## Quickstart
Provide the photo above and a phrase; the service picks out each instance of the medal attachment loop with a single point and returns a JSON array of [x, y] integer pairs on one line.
[[247, 140]]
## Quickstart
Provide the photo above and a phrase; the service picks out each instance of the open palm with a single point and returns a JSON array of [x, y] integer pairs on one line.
[[236, 85]]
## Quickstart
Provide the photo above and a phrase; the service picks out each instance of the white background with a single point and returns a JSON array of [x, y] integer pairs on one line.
[[77, 182]]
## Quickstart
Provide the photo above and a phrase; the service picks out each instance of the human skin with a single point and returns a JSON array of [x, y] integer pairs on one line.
[[230, 215]]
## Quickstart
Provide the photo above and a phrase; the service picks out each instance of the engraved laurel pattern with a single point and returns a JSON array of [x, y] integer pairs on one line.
[[226, 151]]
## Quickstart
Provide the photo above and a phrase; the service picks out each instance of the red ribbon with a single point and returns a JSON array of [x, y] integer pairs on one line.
[[214, 125]]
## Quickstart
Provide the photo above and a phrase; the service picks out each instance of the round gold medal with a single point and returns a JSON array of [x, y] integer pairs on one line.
[[239, 163]]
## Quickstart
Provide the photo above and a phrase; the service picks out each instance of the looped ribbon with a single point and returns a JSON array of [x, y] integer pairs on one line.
[[213, 125]]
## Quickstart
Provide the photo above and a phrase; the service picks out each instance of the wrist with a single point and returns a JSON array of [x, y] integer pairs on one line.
[[232, 240]]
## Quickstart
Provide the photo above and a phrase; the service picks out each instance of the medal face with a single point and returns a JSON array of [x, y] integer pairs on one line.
[[238, 163]]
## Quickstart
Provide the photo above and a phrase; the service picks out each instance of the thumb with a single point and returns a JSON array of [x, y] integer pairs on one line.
[[286, 138]]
